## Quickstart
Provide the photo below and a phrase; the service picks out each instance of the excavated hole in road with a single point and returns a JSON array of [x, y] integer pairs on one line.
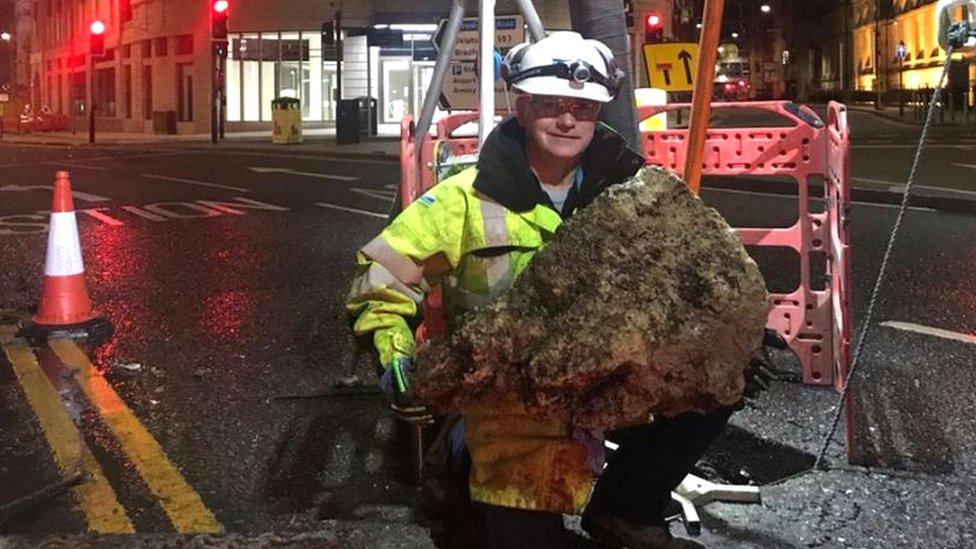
[[739, 456]]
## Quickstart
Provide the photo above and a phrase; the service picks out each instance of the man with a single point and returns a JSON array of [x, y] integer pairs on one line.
[[474, 233]]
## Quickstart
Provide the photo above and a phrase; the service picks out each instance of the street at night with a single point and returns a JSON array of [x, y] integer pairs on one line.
[[224, 271]]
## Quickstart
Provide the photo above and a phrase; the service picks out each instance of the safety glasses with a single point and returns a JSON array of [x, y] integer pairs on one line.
[[550, 107]]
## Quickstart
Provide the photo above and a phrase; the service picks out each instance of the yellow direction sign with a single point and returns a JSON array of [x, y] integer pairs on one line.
[[672, 66]]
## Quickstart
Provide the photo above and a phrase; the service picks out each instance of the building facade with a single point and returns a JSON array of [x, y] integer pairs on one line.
[[906, 26], [157, 74]]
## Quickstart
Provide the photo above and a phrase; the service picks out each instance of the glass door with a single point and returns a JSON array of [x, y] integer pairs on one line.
[[395, 96], [328, 92], [423, 73]]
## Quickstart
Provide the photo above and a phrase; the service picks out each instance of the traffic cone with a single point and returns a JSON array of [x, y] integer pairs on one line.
[[65, 309]]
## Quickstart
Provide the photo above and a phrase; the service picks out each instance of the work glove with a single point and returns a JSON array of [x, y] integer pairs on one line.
[[395, 384], [761, 371]]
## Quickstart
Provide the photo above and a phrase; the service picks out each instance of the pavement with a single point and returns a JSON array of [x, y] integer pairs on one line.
[[224, 269], [315, 141]]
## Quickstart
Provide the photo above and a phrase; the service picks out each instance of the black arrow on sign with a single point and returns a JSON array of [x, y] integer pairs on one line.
[[685, 57]]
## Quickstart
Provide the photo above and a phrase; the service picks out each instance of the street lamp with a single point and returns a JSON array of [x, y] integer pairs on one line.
[[8, 39], [96, 50], [765, 8], [735, 36]]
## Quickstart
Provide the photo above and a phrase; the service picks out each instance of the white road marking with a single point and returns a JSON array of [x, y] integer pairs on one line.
[[813, 199], [927, 146], [87, 197], [876, 181], [373, 193], [57, 163], [380, 158], [353, 210], [83, 166], [193, 182], [899, 187], [967, 166], [260, 169], [926, 330]]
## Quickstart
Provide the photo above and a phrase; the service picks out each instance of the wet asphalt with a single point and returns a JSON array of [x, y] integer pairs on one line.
[[226, 287]]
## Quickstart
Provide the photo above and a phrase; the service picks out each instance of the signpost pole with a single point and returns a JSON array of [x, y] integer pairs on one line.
[[532, 21], [701, 102], [90, 99], [486, 80], [444, 53]]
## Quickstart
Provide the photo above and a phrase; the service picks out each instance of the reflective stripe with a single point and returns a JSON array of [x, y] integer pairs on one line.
[[401, 267], [496, 235], [63, 247], [378, 276]]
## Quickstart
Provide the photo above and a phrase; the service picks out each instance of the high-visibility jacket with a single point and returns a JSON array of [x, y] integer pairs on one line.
[[474, 233]]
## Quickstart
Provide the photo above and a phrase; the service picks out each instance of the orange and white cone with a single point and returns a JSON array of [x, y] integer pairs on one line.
[[65, 309]]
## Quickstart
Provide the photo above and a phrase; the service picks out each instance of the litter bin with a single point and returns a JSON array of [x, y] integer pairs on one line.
[[286, 115], [347, 122], [367, 116]]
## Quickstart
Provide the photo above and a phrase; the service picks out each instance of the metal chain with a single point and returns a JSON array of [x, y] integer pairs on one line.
[[866, 325]]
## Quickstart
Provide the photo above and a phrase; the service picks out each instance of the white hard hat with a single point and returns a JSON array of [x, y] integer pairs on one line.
[[563, 64]]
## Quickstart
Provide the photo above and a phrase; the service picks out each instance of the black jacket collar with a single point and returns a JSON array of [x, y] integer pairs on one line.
[[504, 174]]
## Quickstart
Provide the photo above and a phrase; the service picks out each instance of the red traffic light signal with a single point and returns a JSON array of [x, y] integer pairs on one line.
[[97, 38], [653, 28], [218, 20]]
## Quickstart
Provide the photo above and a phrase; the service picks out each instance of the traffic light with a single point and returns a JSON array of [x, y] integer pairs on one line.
[[97, 39], [218, 20], [653, 28], [629, 13], [328, 33]]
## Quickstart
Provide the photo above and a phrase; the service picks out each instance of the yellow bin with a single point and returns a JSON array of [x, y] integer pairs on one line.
[[286, 116]]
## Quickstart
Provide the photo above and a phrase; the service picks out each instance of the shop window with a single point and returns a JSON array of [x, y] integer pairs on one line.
[[232, 84], [77, 93], [127, 84], [104, 92], [184, 44], [249, 49], [146, 48], [161, 48], [270, 56], [147, 92], [184, 75]]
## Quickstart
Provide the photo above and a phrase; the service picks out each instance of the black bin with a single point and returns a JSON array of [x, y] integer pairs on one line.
[[347, 122], [368, 124]]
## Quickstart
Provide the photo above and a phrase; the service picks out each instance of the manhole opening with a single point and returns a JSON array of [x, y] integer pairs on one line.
[[740, 457]]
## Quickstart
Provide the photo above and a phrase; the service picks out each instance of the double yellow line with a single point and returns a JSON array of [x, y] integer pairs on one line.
[[95, 496]]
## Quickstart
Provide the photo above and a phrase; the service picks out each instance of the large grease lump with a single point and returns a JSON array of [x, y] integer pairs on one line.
[[645, 302]]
